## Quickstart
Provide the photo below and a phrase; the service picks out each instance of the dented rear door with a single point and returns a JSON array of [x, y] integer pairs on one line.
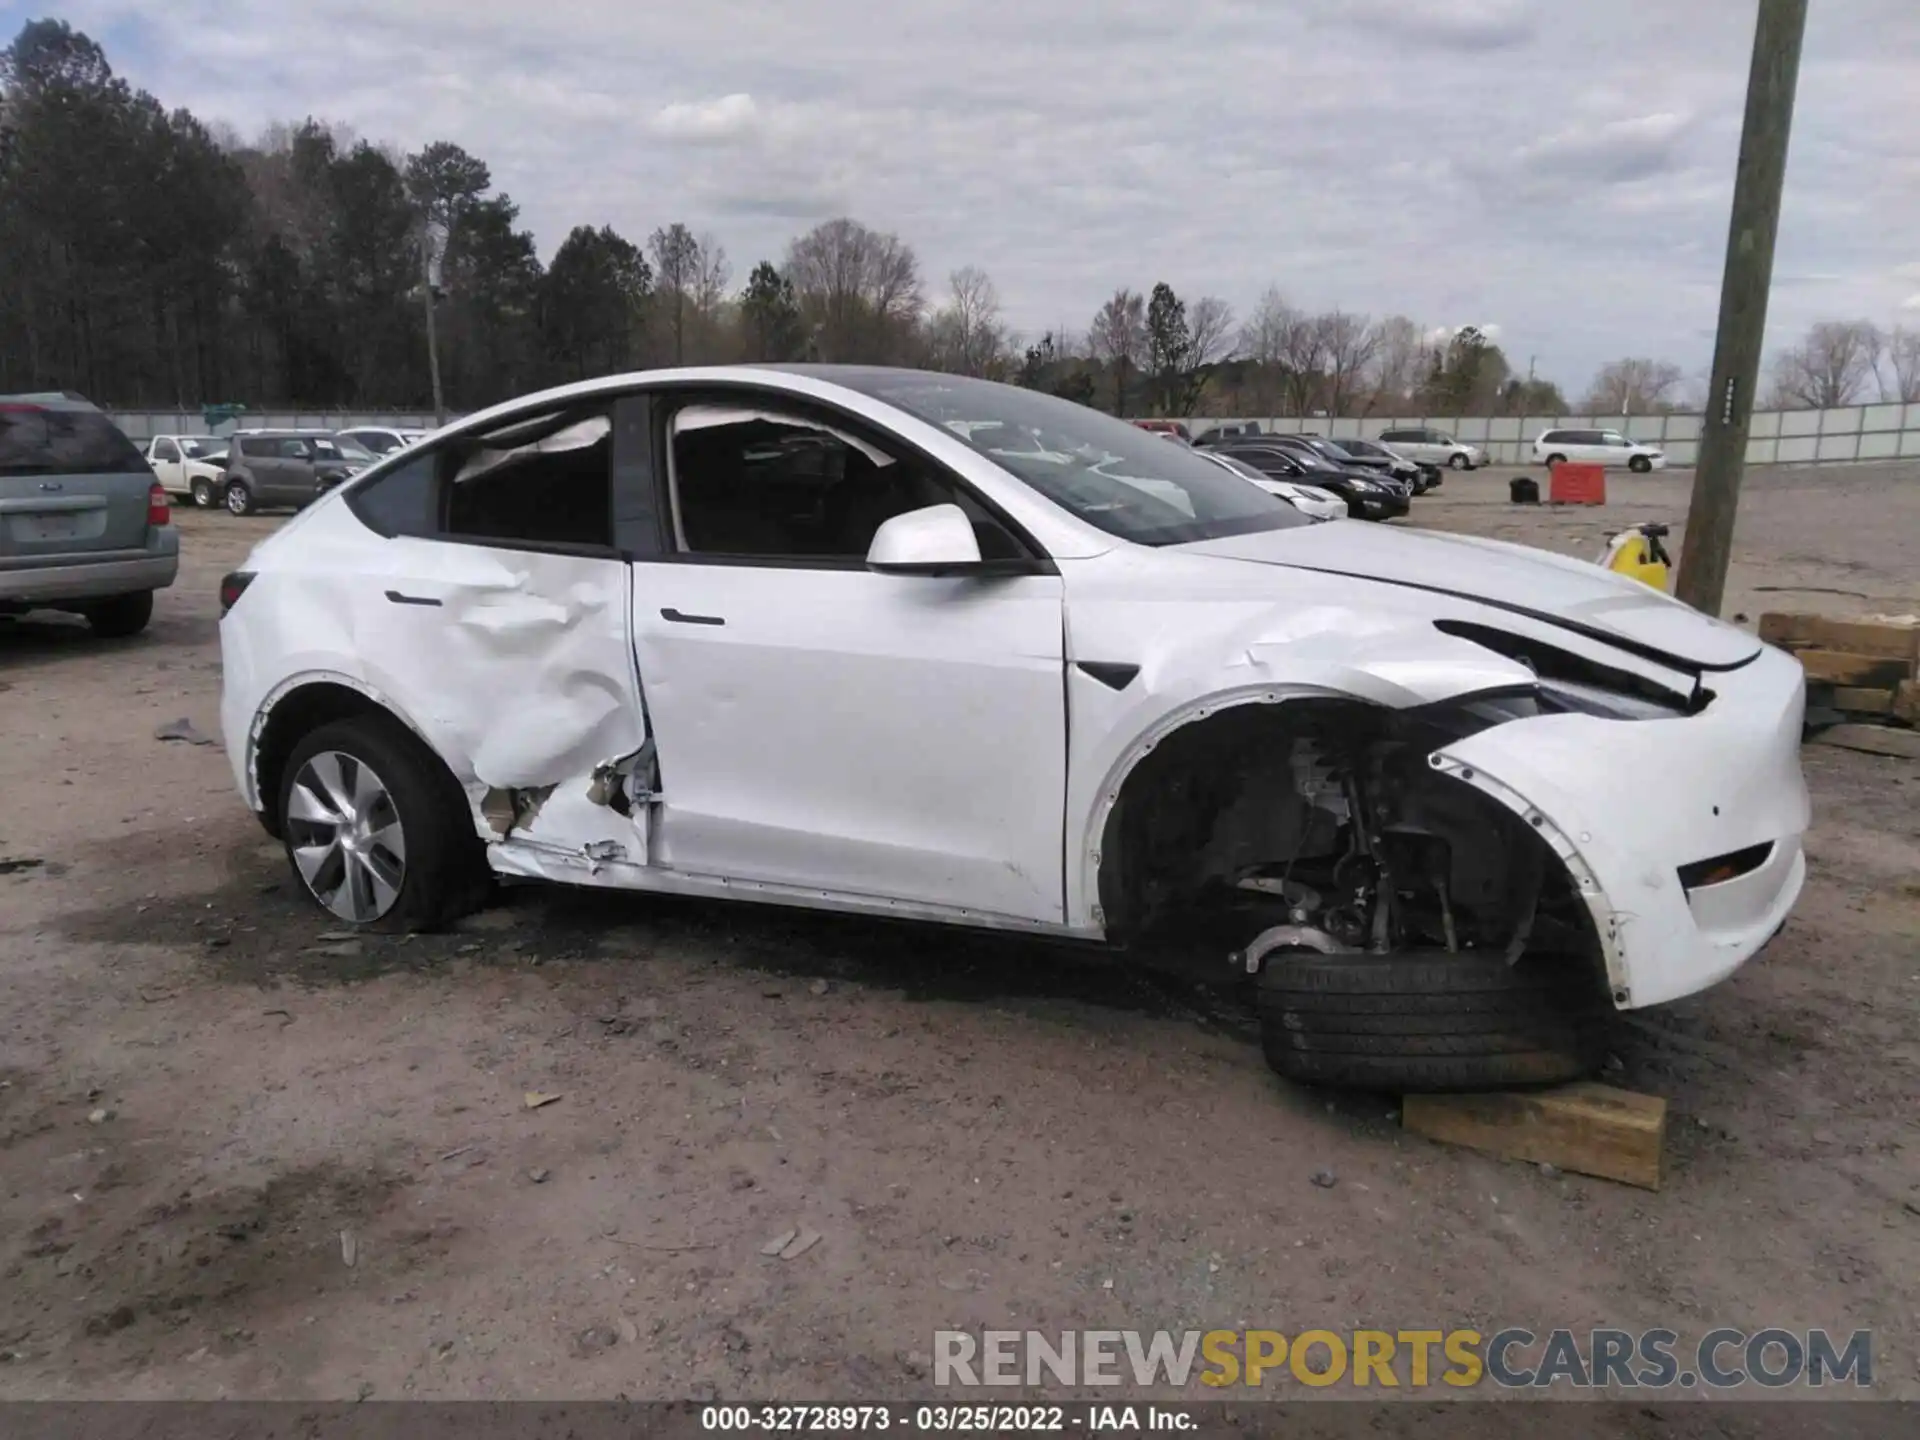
[[501, 626]]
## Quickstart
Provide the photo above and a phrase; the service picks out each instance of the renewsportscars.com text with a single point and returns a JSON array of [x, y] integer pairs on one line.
[[1720, 1360]]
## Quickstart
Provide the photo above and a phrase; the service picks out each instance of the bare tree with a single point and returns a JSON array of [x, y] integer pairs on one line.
[[1401, 361], [1347, 345], [676, 264], [1209, 330], [966, 335], [711, 272], [1830, 367], [1634, 386], [1288, 348], [859, 290], [1903, 358], [1118, 338]]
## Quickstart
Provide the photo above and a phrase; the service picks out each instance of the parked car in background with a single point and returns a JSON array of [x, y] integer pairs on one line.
[[1367, 497], [1435, 447], [1368, 452], [1342, 452], [1324, 452], [84, 523], [268, 469], [1214, 434], [1597, 447], [977, 655], [1307, 499], [1172, 429], [190, 466], [380, 440]]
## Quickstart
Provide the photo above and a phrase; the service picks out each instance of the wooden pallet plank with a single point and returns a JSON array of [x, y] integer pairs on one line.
[[1846, 668], [1858, 701], [1590, 1128], [1859, 637], [1873, 740], [1906, 702]]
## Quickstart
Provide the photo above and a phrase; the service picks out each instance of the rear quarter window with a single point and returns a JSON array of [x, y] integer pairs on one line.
[[35, 440]]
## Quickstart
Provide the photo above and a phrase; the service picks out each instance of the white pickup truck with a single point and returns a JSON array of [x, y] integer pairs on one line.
[[194, 466]]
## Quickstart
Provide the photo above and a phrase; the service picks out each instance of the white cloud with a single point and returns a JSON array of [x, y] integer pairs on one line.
[[708, 122]]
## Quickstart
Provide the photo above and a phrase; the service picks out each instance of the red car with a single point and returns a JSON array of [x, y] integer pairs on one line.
[[1172, 429]]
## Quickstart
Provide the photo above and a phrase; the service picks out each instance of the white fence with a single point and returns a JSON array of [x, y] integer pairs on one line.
[[142, 425], [1779, 437]]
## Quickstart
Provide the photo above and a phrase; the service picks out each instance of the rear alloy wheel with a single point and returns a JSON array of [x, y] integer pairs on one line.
[[203, 494], [1431, 1020], [1553, 460], [1640, 464], [376, 829], [239, 499], [121, 616]]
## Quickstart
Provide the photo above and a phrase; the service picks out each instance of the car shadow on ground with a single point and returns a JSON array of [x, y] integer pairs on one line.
[[252, 925]]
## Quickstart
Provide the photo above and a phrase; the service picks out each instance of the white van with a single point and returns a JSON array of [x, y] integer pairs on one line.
[[1597, 447]]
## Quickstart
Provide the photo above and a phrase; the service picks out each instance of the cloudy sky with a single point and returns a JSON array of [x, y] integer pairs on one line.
[[1559, 168]]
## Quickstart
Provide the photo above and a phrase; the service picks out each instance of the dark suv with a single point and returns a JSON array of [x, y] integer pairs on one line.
[[288, 468], [84, 522]]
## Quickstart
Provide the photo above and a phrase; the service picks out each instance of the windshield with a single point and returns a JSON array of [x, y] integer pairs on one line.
[[350, 449], [204, 449], [1308, 458], [1124, 480], [1332, 451]]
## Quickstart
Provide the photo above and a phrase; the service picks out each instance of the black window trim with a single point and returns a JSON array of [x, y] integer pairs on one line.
[[671, 396], [442, 449]]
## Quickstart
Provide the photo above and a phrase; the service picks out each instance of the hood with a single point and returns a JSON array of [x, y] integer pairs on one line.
[[1553, 588]]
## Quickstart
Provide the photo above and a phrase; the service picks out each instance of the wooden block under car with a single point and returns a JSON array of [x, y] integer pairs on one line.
[[1906, 702], [1845, 668], [1889, 639], [1858, 701], [1873, 740], [1592, 1128]]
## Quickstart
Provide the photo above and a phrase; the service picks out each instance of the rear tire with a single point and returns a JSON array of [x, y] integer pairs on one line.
[[121, 616], [1553, 460], [239, 498], [203, 494], [443, 871], [1430, 1020]]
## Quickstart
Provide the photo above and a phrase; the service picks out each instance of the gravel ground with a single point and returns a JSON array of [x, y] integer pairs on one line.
[[243, 1156]]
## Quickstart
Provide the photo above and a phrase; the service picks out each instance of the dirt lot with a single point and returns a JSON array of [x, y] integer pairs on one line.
[[203, 1090]]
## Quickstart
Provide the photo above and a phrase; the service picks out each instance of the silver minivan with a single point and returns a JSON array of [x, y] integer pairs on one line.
[[84, 522]]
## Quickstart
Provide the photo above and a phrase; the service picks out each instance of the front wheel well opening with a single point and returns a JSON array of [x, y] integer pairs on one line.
[[294, 716], [1328, 814]]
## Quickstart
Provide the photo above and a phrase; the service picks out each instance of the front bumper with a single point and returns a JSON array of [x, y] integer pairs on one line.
[[1627, 803], [70, 579]]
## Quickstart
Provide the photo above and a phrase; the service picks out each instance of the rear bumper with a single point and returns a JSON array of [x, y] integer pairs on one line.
[[67, 579], [1627, 803]]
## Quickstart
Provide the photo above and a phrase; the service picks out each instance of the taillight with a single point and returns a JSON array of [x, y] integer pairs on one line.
[[159, 511], [232, 587]]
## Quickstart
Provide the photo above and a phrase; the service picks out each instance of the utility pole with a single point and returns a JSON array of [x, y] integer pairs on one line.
[[433, 340], [1743, 302]]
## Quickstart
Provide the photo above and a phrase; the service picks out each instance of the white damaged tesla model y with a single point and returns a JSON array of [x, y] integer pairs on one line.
[[922, 646]]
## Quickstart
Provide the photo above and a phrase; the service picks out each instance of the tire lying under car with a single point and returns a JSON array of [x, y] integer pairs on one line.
[[1430, 1020]]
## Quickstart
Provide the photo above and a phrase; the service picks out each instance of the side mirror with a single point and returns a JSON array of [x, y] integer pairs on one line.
[[934, 541]]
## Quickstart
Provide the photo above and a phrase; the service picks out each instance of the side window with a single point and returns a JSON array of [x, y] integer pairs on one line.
[[763, 484], [295, 449], [378, 443], [548, 481], [404, 501], [165, 450]]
